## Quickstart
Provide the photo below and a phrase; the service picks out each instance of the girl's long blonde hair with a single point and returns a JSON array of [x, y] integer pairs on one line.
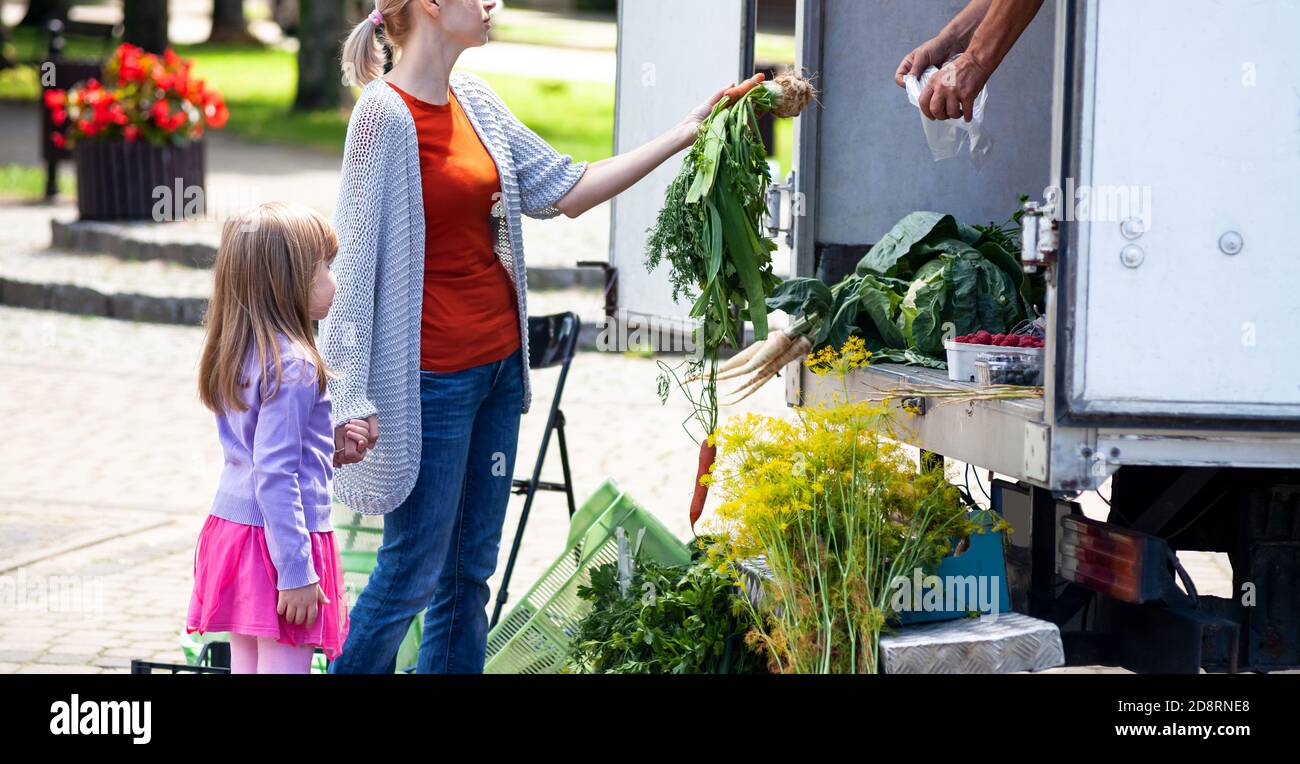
[[363, 53], [262, 283]]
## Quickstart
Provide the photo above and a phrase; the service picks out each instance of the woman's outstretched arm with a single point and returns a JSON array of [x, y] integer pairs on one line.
[[610, 177]]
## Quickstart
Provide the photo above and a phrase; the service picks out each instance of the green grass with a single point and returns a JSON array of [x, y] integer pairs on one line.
[[24, 182], [258, 83], [774, 48]]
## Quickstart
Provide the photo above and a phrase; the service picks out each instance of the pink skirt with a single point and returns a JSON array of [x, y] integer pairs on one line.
[[235, 588]]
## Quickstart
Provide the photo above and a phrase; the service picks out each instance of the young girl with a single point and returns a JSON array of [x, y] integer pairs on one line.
[[266, 568]]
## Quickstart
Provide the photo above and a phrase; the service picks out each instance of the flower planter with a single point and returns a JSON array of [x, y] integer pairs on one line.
[[129, 180]]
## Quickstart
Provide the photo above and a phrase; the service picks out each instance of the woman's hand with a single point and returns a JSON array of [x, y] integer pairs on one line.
[[353, 438], [690, 124], [299, 606]]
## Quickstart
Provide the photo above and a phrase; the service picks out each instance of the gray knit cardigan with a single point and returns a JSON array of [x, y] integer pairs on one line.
[[371, 336]]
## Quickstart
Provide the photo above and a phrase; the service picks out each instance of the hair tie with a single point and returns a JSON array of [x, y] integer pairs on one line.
[[376, 18]]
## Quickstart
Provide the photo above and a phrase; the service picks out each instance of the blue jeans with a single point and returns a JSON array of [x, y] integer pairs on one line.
[[440, 545]]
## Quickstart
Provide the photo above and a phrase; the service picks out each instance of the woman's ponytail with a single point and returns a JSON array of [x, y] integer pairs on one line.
[[363, 52], [363, 57]]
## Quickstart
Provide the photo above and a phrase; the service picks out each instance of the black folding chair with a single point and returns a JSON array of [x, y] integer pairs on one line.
[[552, 341]]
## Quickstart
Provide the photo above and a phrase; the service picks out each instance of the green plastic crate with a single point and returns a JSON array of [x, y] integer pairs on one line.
[[534, 637]]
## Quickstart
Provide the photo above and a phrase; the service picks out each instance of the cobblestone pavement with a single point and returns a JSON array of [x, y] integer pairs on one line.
[[108, 499]]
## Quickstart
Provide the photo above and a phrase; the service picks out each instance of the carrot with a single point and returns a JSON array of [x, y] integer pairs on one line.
[[708, 453], [734, 93], [798, 349]]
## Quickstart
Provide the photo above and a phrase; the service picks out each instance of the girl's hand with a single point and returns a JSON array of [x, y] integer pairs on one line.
[[690, 125], [353, 438], [299, 606]]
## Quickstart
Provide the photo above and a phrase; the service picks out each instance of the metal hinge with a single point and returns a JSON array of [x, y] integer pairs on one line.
[[1038, 236], [773, 220]]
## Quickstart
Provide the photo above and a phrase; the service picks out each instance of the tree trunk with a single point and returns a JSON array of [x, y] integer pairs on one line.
[[322, 23], [41, 11], [145, 23], [285, 13], [228, 23]]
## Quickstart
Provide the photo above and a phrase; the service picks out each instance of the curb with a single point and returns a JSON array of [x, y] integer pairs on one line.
[[130, 306], [104, 237], [86, 301]]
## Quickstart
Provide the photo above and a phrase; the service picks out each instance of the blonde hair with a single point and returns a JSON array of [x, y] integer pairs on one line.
[[262, 283], [363, 54]]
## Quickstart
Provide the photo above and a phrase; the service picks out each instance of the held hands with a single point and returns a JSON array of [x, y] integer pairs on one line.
[[299, 606], [353, 438]]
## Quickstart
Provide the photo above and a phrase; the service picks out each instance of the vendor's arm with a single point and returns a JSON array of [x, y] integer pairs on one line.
[[952, 39], [951, 93]]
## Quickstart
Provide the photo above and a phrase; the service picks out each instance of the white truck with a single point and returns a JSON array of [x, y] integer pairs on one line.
[[1161, 142]]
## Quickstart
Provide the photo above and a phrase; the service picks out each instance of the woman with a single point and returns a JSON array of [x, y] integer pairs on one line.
[[429, 326]]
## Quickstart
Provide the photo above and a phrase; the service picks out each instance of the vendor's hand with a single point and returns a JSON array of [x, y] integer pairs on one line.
[[690, 125], [299, 606], [951, 92], [353, 438], [932, 52]]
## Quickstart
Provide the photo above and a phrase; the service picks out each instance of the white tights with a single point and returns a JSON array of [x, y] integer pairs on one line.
[[263, 655]]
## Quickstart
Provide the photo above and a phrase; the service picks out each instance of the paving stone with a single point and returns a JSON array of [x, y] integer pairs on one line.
[[121, 652], [68, 658], [56, 668], [19, 656]]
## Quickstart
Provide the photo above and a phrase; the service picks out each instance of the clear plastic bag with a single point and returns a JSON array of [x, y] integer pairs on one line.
[[948, 137]]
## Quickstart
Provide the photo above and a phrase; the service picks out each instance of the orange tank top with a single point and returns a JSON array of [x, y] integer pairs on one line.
[[470, 316]]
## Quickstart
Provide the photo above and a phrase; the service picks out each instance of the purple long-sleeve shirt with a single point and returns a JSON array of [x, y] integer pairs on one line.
[[279, 462]]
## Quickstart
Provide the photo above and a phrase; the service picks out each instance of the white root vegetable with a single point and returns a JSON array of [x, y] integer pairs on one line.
[[776, 344], [790, 94], [742, 358], [796, 350]]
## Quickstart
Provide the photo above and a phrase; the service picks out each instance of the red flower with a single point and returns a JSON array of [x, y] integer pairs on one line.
[[58, 139], [129, 71], [141, 89], [163, 80], [216, 114]]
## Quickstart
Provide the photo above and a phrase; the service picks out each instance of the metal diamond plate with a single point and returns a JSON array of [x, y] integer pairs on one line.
[[999, 644]]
